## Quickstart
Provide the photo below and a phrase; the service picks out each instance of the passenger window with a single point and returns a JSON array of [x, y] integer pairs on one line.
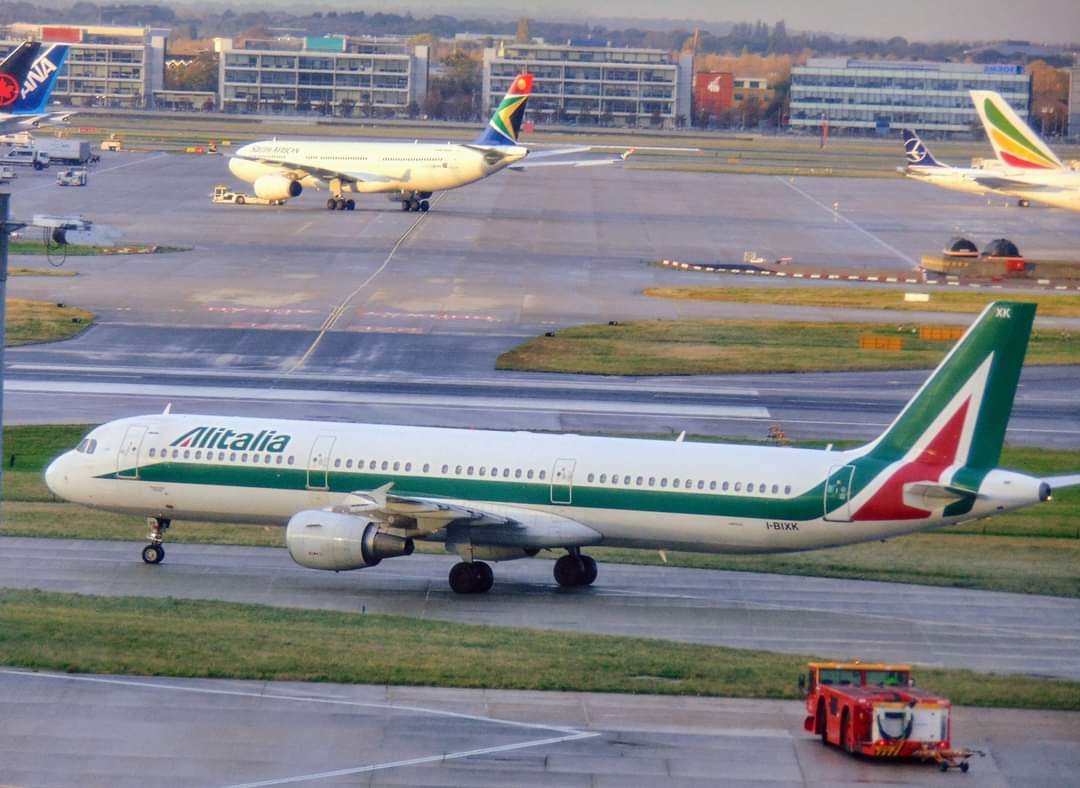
[[292, 459], [675, 483], [397, 466], [494, 471], [589, 478], [775, 489], [457, 470], [279, 459], [652, 481], [426, 468], [712, 485], [517, 473], [506, 473], [603, 478], [348, 463], [543, 474], [738, 486], [198, 455], [529, 475], [408, 467], [640, 480], [787, 489], [232, 457], [337, 462], [470, 470], [385, 465], [446, 469], [175, 453], [663, 481], [482, 470], [750, 487], [80, 449], [243, 457], [187, 454], [626, 480], [725, 486], [689, 483], [371, 465], [701, 484]]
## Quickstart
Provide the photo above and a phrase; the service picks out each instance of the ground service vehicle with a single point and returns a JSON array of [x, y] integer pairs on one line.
[[223, 194], [7, 174], [72, 177], [112, 145], [65, 151], [26, 157], [875, 710]]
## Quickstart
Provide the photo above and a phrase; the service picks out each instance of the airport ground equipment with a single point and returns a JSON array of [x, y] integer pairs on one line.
[[65, 151], [224, 195], [7, 173], [26, 156], [71, 177], [112, 145], [876, 711]]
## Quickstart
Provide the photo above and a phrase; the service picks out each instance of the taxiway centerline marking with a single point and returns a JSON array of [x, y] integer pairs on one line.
[[339, 310]]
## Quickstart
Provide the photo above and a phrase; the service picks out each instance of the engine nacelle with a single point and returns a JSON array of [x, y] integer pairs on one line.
[[277, 187], [319, 539]]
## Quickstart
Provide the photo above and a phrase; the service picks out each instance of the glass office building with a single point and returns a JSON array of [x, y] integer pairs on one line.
[[586, 83], [871, 96]]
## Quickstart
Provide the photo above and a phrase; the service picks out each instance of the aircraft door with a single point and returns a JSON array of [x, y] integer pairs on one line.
[[838, 493], [127, 459], [319, 463], [562, 481]]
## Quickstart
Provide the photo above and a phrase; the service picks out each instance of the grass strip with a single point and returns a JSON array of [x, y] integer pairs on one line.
[[205, 639], [718, 347], [28, 247], [42, 321], [24, 271], [1050, 305]]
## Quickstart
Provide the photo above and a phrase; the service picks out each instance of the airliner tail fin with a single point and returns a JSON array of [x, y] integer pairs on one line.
[[505, 123]]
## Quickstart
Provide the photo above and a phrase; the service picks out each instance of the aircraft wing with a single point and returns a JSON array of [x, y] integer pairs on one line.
[[497, 525], [1000, 182], [300, 171], [572, 163], [1060, 482]]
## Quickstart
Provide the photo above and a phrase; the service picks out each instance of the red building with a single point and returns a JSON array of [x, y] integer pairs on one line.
[[714, 92]]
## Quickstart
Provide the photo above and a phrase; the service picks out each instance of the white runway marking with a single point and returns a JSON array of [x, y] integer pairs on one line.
[[849, 222], [566, 733]]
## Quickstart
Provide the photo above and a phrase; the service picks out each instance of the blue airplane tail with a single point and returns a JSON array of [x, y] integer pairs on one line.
[[28, 76], [917, 153]]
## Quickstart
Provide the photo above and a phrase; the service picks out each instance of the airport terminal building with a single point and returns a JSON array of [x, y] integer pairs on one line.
[[108, 65], [872, 96], [587, 83], [339, 75]]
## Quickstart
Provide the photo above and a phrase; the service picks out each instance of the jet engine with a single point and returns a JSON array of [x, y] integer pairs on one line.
[[277, 187], [319, 539]]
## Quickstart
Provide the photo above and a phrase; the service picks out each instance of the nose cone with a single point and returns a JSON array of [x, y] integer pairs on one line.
[[56, 476]]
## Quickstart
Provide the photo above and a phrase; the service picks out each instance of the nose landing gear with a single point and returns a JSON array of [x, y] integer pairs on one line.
[[154, 553]]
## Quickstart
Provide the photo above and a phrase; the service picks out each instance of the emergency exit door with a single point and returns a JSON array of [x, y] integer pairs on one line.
[[838, 493]]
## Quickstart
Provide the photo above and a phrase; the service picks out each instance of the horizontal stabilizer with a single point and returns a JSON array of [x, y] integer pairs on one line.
[[930, 496], [1061, 482]]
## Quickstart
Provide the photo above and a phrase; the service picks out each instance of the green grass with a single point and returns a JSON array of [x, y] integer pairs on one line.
[[28, 247], [1035, 550], [41, 321], [140, 636], [892, 298], [716, 347], [24, 271]]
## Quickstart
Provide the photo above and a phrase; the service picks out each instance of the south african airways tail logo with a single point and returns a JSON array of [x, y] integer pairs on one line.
[[205, 437]]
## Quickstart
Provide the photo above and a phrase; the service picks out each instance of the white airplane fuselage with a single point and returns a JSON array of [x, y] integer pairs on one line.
[[631, 492], [372, 167]]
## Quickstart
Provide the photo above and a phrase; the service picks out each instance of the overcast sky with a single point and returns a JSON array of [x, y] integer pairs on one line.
[[922, 20]]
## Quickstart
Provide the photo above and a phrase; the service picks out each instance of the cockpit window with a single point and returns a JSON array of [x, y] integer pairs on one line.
[[87, 446], [81, 448], [92, 447]]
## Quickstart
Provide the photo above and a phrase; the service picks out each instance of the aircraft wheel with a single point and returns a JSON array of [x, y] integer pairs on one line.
[[404, 205], [568, 571], [331, 204], [845, 733], [964, 766], [350, 205], [1024, 203], [240, 199], [153, 554], [485, 578], [590, 570], [414, 205], [425, 206], [463, 580], [822, 725], [340, 204]]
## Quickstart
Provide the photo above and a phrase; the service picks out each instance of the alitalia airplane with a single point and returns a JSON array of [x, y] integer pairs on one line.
[[351, 495], [1030, 170], [27, 77], [408, 173]]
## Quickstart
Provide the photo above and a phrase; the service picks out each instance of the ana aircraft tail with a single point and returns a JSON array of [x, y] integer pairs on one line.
[[1015, 144], [918, 155], [28, 75], [505, 124]]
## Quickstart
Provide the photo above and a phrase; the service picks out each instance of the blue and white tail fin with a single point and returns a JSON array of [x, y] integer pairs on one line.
[[505, 124], [918, 155], [28, 76]]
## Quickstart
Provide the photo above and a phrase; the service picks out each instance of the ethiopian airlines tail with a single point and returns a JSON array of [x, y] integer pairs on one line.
[[27, 78], [505, 123], [918, 155], [1015, 144]]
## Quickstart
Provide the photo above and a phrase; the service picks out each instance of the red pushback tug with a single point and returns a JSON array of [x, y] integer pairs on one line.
[[875, 710]]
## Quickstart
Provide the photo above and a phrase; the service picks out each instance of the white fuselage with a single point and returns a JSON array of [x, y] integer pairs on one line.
[[1060, 188], [367, 167], [632, 492]]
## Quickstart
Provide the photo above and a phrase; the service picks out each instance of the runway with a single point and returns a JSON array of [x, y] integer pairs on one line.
[[980, 630], [172, 733]]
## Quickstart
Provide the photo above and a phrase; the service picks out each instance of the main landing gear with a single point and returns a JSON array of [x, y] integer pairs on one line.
[[154, 553], [473, 577], [575, 569], [340, 204], [414, 204]]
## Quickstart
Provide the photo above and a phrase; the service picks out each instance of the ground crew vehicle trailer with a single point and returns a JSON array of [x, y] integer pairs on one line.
[[224, 195], [876, 711]]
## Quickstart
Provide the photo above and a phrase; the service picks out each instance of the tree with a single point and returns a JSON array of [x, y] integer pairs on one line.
[[413, 110]]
